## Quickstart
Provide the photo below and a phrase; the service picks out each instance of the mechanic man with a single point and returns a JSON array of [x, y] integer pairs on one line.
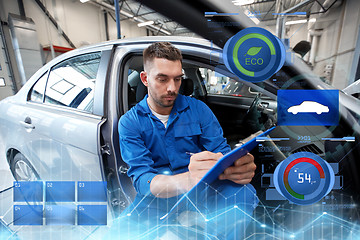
[[156, 137]]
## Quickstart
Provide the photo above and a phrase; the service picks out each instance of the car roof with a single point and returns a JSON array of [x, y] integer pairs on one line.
[[176, 40], [181, 40]]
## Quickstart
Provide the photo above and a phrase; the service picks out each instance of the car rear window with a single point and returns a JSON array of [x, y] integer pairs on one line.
[[71, 83]]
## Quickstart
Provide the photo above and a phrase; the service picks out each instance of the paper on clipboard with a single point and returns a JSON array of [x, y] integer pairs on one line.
[[226, 161]]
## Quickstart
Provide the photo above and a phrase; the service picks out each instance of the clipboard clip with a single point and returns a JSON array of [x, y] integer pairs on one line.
[[245, 140]]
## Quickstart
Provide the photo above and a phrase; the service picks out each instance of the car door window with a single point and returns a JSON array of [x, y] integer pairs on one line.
[[37, 91], [71, 83], [215, 83], [219, 84]]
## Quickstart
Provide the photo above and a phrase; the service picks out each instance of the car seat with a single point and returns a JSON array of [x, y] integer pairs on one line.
[[187, 87]]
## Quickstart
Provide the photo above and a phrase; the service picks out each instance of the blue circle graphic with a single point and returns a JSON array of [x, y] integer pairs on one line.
[[304, 178], [254, 54]]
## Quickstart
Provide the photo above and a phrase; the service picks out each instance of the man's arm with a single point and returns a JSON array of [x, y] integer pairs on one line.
[[165, 186], [147, 179], [135, 153]]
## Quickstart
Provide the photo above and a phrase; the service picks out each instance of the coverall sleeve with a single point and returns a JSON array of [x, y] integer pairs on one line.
[[135, 154]]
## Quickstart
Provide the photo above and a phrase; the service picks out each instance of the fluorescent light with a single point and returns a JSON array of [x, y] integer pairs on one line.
[[129, 15], [166, 32], [84, 1], [296, 22], [145, 23], [312, 20], [242, 2], [255, 20], [2, 82]]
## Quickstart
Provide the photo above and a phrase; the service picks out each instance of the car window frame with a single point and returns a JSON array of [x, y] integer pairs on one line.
[[28, 98], [69, 59], [98, 98]]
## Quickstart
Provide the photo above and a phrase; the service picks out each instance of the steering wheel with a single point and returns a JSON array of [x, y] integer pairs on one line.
[[252, 116], [254, 105]]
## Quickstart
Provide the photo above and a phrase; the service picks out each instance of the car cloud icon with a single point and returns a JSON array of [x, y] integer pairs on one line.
[[308, 107]]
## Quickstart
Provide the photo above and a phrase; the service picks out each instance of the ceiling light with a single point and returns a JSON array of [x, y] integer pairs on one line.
[[255, 20], [145, 23], [242, 2], [129, 15], [312, 20], [296, 22], [84, 1], [166, 32], [2, 82]]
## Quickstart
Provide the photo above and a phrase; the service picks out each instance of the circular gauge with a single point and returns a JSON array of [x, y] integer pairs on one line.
[[254, 54], [304, 178]]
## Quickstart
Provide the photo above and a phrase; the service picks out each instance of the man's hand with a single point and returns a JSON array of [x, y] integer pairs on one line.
[[165, 186], [242, 171], [200, 164]]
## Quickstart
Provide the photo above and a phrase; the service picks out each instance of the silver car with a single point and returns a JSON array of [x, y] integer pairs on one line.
[[62, 124]]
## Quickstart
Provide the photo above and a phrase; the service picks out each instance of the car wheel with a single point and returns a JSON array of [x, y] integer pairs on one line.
[[22, 169]]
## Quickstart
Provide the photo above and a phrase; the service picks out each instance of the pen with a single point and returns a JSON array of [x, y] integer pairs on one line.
[[190, 153]]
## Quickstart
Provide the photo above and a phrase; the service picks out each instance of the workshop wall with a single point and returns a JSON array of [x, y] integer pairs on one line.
[[83, 22]]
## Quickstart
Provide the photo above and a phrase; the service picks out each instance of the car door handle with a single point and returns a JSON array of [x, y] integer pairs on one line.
[[27, 123], [265, 104]]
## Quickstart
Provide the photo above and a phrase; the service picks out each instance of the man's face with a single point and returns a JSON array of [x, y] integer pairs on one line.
[[163, 79]]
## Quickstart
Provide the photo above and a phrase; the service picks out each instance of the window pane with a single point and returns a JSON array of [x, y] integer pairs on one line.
[[214, 82], [217, 83], [72, 82], [37, 91]]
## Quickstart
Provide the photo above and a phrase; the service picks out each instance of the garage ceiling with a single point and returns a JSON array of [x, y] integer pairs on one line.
[[265, 11]]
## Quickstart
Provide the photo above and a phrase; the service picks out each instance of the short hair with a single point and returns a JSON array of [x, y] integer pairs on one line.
[[161, 50]]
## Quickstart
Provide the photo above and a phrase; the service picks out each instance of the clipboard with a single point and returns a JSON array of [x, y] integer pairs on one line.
[[223, 163]]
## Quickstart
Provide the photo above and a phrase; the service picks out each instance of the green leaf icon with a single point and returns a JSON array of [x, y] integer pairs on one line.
[[253, 51]]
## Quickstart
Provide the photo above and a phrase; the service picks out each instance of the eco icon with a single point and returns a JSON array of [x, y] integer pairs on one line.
[[253, 51], [254, 54]]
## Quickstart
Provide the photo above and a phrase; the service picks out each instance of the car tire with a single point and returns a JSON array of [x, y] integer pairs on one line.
[[22, 169]]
